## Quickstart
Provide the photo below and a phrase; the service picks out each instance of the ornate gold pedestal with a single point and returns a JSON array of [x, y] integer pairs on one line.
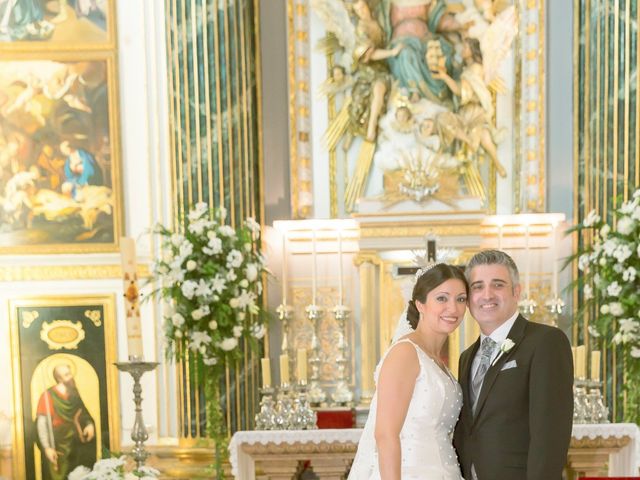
[[590, 457]]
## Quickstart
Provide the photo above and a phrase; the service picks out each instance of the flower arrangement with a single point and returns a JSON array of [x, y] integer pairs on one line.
[[113, 469], [211, 275], [610, 285]]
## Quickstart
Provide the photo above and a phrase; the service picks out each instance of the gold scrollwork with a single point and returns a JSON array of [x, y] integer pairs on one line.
[[61, 334], [95, 316], [29, 317]]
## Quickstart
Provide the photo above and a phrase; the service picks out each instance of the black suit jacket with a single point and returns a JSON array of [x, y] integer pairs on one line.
[[522, 425]]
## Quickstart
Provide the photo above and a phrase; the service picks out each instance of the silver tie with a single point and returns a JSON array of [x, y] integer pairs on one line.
[[486, 352]]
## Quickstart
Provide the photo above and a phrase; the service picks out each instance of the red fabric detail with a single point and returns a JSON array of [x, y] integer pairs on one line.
[[336, 418], [45, 407]]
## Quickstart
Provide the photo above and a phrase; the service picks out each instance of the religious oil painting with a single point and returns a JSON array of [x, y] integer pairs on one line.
[[59, 156], [64, 383], [408, 104], [56, 24]]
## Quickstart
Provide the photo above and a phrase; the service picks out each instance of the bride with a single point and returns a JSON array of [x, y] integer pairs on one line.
[[408, 434]]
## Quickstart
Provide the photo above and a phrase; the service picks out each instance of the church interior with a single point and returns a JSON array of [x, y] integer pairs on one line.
[[265, 178]]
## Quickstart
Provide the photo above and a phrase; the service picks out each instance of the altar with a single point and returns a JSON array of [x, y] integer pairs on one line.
[[595, 450]]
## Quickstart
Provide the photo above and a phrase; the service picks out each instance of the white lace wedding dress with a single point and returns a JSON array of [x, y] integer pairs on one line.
[[427, 434]]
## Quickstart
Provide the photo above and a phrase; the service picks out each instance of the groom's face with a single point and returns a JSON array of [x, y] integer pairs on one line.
[[493, 296]]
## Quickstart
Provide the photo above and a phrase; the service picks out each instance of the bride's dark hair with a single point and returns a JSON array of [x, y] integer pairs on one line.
[[429, 280]]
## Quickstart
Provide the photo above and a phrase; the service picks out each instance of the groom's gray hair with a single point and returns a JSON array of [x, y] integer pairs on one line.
[[493, 257]]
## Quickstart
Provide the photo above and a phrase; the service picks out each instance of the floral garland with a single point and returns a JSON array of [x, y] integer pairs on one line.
[[610, 283], [212, 276]]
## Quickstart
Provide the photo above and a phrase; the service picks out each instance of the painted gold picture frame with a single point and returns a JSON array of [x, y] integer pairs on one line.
[[65, 384], [75, 25], [60, 188]]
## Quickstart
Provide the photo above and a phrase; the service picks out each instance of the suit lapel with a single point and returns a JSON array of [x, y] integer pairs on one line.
[[465, 375], [515, 334]]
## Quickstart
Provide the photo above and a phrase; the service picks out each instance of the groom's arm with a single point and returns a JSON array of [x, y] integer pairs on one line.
[[550, 406]]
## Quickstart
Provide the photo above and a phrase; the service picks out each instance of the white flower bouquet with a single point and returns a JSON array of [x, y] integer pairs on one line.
[[609, 262], [113, 469], [211, 273], [212, 276]]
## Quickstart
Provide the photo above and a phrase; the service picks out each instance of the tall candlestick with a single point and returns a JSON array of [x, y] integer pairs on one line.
[[554, 259], [266, 372], [527, 281], [131, 298], [340, 278], [581, 359], [301, 365], [313, 268], [284, 369], [284, 268], [595, 365]]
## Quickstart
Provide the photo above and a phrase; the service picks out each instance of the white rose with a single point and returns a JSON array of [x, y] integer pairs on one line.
[[229, 344], [251, 272], [603, 262], [209, 361], [588, 292], [191, 265], [258, 331], [614, 290], [244, 283], [625, 225], [177, 320], [189, 289], [213, 324], [592, 217], [237, 330], [616, 309], [177, 239], [241, 315], [604, 309], [604, 231], [197, 314], [583, 262], [234, 302], [178, 333], [635, 352]]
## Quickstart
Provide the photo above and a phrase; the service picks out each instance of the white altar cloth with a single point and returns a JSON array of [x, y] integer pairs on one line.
[[627, 460], [624, 462], [242, 465]]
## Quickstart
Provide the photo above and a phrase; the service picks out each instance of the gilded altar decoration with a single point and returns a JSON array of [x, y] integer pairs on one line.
[[95, 316], [414, 83], [609, 282], [211, 276], [28, 318]]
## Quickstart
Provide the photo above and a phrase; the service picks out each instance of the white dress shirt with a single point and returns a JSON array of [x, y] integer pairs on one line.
[[499, 335]]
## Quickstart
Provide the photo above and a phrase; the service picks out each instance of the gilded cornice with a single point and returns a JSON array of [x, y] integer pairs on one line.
[[24, 273]]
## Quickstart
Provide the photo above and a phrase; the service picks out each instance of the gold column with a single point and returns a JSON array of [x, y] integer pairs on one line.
[[368, 270]]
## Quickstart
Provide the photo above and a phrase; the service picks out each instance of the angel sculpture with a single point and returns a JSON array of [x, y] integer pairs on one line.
[[359, 115], [482, 59]]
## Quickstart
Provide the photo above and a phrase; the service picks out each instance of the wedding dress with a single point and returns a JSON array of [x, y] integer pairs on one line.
[[426, 437]]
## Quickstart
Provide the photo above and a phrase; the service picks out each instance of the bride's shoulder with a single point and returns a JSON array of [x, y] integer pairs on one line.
[[403, 353]]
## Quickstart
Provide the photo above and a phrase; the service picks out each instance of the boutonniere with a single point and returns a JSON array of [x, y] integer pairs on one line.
[[505, 347]]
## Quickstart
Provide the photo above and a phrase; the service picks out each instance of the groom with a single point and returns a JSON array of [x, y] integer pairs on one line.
[[517, 383]]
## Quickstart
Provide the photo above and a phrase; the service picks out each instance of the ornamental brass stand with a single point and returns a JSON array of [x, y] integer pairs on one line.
[[139, 433]]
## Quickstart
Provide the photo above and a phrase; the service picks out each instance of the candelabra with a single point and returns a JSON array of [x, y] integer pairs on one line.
[[589, 407], [139, 433], [316, 394], [266, 418], [342, 393], [304, 417], [285, 314], [284, 418], [528, 306]]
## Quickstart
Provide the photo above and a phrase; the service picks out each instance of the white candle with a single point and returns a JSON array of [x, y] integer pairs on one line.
[[581, 360], [554, 259], [284, 369], [301, 365], [527, 262], [284, 268], [595, 365], [131, 298], [266, 372], [313, 268], [340, 281]]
